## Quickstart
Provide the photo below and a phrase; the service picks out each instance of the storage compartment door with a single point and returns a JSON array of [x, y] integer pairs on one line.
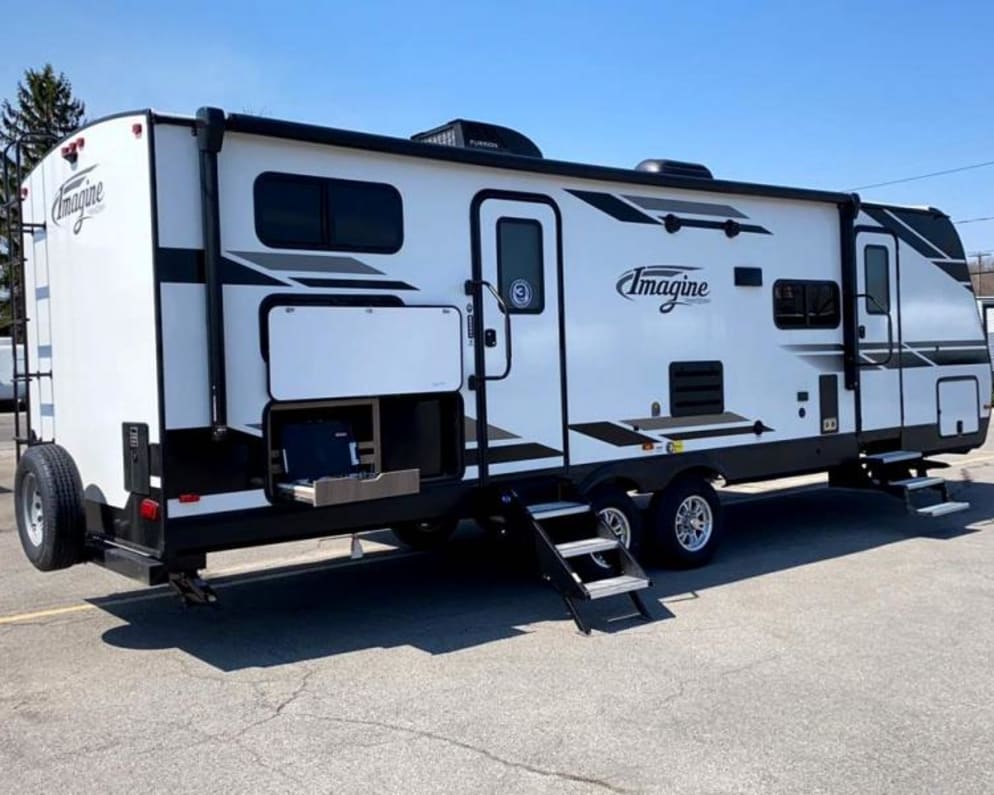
[[318, 352], [959, 406]]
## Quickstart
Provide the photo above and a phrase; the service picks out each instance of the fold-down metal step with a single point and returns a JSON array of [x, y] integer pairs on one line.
[[612, 586], [586, 546], [942, 508]]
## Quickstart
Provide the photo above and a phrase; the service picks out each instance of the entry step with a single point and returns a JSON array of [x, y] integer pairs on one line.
[[586, 546], [942, 508], [893, 457], [553, 510], [914, 484], [612, 586]]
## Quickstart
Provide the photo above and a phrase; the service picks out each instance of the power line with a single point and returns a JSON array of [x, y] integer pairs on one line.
[[926, 176], [975, 220]]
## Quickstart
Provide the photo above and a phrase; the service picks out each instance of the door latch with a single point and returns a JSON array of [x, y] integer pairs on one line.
[[490, 338]]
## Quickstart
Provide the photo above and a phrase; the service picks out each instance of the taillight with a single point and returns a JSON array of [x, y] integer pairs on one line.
[[149, 510]]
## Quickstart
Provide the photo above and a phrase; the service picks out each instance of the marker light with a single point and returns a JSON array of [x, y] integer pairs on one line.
[[149, 510]]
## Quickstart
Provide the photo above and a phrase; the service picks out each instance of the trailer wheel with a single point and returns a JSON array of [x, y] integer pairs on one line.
[[426, 535], [686, 523], [48, 504], [615, 509]]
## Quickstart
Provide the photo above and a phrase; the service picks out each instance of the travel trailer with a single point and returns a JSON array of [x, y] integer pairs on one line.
[[311, 331]]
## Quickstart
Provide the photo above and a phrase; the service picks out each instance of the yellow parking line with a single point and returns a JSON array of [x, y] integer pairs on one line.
[[237, 572], [55, 611]]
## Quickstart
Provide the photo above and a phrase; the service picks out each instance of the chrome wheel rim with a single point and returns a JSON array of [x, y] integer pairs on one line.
[[32, 510], [694, 523], [615, 520]]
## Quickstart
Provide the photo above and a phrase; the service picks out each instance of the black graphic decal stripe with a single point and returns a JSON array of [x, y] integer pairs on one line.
[[935, 227], [186, 265], [614, 207], [678, 206], [879, 357], [698, 223], [924, 248], [814, 347], [355, 284], [510, 453], [958, 270], [948, 357], [494, 433], [715, 432], [831, 363], [937, 344], [612, 434], [662, 423], [309, 263]]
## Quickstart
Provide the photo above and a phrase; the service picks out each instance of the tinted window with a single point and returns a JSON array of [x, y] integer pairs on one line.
[[296, 211], [805, 304], [876, 264], [519, 265], [288, 211]]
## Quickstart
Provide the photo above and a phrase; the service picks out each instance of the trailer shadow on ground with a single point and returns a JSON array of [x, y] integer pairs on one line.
[[469, 596]]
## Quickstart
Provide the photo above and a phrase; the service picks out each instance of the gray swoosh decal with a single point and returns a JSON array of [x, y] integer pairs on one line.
[[678, 206], [667, 423], [306, 263], [493, 432]]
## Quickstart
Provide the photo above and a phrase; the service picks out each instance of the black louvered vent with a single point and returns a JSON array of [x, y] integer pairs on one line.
[[696, 388]]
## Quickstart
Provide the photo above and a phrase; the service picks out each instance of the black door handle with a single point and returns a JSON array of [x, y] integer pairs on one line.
[[490, 338], [862, 332]]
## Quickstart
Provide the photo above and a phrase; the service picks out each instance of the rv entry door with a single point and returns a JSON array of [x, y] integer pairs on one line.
[[878, 335], [518, 361]]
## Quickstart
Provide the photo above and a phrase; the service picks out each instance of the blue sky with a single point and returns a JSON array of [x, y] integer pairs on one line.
[[833, 95]]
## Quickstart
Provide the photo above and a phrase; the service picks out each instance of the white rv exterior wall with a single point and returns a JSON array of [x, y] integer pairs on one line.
[[90, 297], [618, 351]]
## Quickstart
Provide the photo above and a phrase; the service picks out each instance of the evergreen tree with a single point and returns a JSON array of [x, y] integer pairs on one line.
[[45, 111]]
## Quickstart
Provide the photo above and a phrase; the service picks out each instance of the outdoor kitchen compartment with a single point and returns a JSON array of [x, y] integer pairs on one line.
[[333, 452]]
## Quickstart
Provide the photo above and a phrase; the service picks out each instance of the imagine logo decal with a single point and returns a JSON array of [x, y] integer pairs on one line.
[[673, 282], [79, 197]]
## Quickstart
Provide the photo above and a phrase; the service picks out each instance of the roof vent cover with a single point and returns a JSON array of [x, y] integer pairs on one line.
[[479, 135], [675, 168]]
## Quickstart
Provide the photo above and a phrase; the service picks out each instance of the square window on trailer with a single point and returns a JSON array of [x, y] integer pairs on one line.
[[300, 211], [805, 304]]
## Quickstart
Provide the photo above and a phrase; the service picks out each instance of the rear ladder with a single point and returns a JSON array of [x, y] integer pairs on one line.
[[16, 229]]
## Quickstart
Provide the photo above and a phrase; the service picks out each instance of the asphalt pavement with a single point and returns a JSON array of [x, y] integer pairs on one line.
[[835, 645]]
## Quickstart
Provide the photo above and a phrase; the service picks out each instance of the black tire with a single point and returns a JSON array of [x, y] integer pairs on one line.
[[427, 535], [609, 499], [691, 543], [48, 504]]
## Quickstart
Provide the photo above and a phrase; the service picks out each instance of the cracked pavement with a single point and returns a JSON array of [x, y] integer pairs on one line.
[[835, 645]]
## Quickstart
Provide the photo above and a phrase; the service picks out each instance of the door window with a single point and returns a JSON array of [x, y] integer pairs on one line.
[[520, 267], [876, 263]]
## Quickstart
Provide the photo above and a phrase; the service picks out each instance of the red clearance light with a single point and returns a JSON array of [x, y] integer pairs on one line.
[[189, 498], [149, 510], [80, 143], [137, 130]]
